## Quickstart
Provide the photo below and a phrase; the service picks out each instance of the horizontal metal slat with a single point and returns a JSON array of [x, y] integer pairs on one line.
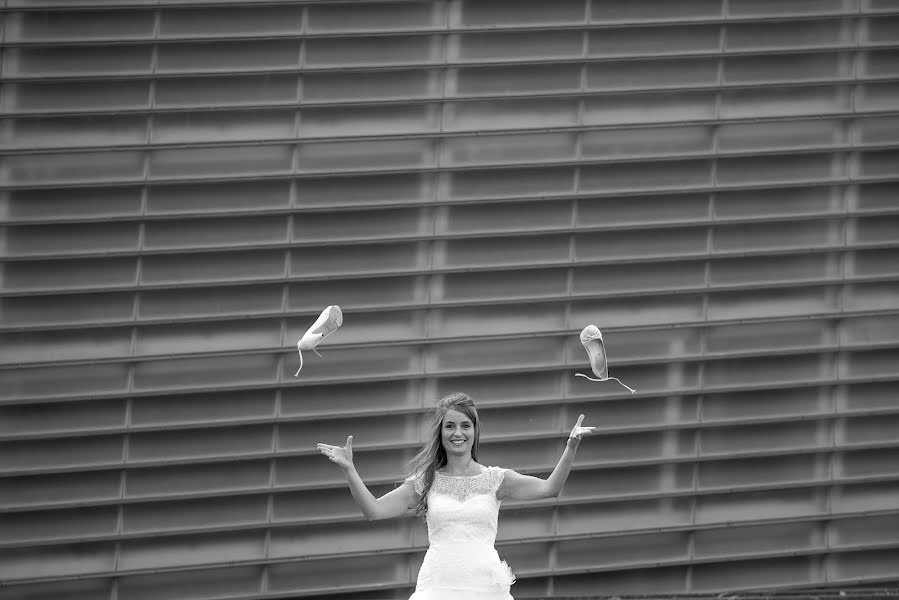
[[560, 263], [214, 423], [633, 224], [506, 301], [291, 383], [436, 136], [446, 64], [300, 103], [290, 174], [439, 340], [117, 465], [303, 31], [573, 229]]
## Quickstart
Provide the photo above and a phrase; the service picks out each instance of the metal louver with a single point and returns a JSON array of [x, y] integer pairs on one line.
[[184, 185]]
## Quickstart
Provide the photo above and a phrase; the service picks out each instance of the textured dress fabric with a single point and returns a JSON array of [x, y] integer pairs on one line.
[[461, 562]]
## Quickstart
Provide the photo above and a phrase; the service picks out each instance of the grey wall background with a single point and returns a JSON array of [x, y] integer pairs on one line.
[[185, 185]]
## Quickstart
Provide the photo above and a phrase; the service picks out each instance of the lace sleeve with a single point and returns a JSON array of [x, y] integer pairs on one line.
[[495, 476], [417, 484]]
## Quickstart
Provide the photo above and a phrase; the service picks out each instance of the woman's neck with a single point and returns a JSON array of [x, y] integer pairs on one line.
[[458, 465]]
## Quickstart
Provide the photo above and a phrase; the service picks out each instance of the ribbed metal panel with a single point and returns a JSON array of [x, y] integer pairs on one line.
[[184, 185]]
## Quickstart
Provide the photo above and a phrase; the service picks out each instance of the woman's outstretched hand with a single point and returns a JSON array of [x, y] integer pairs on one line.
[[516, 486], [579, 431], [342, 455]]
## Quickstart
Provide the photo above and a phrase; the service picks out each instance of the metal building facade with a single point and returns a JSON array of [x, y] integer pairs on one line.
[[184, 185]]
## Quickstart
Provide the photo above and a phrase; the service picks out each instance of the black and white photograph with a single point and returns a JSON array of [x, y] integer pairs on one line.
[[449, 299]]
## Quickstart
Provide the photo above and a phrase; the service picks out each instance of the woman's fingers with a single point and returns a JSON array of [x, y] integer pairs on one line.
[[580, 430], [348, 446], [340, 455]]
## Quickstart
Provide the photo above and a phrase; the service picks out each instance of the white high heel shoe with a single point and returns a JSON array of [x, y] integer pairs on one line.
[[326, 324], [591, 338]]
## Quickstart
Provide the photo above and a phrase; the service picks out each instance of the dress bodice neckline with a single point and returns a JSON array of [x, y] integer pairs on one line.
[[483, 470]]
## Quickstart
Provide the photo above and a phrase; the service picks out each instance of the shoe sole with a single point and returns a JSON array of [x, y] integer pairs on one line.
[[326, 324]]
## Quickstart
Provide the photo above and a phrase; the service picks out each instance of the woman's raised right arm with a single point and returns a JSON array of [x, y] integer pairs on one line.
[[395, 503]]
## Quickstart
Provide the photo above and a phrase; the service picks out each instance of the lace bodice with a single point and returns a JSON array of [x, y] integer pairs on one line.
[[463, 508], [463, 488]]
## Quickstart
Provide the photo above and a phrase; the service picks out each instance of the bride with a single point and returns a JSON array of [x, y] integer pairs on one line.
[[459, 499]]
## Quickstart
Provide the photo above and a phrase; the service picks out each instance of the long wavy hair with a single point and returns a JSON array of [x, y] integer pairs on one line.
[[433, 455]]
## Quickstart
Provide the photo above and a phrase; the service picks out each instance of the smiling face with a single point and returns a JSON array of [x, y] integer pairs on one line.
[[458, 433]]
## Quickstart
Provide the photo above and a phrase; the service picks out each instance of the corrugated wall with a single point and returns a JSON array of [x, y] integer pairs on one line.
[[185, 185]]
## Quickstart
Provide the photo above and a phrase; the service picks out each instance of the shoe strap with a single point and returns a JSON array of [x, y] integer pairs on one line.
[[633, 391], [297, 374]]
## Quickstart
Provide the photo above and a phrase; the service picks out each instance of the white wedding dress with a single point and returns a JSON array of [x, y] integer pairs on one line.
[[461, 562]]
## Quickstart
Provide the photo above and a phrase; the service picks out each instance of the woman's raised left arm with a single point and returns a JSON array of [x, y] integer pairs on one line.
[[516, 486]]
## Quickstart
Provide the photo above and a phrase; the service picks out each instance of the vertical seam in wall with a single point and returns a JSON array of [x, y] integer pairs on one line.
[[5, 18]]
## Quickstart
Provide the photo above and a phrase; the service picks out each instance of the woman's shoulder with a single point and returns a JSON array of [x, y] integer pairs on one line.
[[495, 475], [493, 472], [416, 480]]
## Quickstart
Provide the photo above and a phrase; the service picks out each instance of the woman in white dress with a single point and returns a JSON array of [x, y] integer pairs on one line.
[[459, 499]]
